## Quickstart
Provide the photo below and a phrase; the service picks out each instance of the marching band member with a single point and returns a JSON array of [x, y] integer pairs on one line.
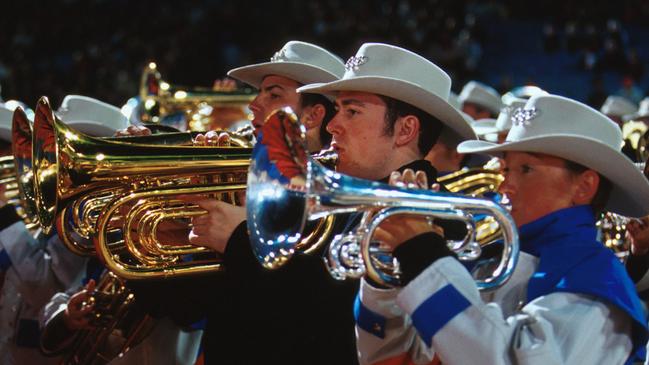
[[616, 107], [293, 315], [479, 100], [33, 270], [569, 300]]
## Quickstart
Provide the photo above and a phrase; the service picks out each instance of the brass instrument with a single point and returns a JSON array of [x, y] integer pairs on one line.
[[76, 176], [477, 182], [117, 325], [117, 196], [21, 131], [286, 188], [196, 109], [612, 227]]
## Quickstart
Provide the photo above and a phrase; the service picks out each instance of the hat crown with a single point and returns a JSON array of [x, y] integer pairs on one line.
[[618, 106], [481, 94], [82, 108], [6, 116], [552, 115], [386, 61], [504, 121], [307, 53]]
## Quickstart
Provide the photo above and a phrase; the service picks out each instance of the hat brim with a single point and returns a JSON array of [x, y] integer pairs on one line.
[[94, 129], [303, 73], [404, 91], [630, 190], [485, 126]]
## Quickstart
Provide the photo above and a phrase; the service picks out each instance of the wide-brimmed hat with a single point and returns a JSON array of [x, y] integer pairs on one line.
[[487, 126], [6, 117], [478, 93], [303, 62], [643, 111], [402, 75], [618, 106], [91, 116], [565, 128]]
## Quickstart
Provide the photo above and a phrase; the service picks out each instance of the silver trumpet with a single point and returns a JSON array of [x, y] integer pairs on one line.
[[287, 188]]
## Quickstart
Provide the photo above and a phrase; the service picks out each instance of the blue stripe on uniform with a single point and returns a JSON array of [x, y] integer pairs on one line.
[[436, 311], [368, 320]]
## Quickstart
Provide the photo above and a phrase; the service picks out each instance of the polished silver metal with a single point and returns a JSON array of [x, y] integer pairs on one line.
[[286, 187]]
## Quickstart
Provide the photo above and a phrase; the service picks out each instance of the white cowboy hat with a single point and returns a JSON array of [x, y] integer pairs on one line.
[[91, 116], [6, 117], [642, 112], [618, 106], [454, 100], [522, 92], [403, 75], [565, 128], [488, 126], [478, 93], [303, 62]]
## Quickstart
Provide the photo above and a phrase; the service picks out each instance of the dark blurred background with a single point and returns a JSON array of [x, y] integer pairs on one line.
[[581, 49]]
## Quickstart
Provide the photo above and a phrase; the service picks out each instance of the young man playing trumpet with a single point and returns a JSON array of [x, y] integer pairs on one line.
[[568, 301], [400, 121], [294, 315]]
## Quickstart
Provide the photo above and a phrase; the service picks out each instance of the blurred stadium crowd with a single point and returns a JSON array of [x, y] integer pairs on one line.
[[582, 49]]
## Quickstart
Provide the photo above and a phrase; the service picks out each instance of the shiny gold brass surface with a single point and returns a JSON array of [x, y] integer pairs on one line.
[[117, 325], [22, 155], [202, 109], [76, 174], [477, 182]]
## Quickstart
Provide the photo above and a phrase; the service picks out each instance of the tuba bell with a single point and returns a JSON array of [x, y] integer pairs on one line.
[[286, 188]]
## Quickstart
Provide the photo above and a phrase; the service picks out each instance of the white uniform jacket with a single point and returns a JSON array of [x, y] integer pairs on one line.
[[440, 315], [34, 271]]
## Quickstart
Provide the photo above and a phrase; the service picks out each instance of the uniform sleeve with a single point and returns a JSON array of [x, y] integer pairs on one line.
[[44, 267], [449, 316], [384, 331]]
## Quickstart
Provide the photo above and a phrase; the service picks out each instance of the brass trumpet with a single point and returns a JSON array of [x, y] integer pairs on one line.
[[284, 182], [193, 109], [117, 325]]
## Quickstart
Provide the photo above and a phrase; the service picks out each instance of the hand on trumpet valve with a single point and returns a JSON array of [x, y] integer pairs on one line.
[[212, 138], [133, 130], [77, 314], [214, 228], [400, 228], [637, 231]]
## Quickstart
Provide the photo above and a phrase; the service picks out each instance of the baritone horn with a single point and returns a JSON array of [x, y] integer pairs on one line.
[[192, 109], [286, 188], [70, 168]]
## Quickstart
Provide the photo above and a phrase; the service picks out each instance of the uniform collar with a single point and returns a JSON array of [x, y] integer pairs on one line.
[[574, 225]]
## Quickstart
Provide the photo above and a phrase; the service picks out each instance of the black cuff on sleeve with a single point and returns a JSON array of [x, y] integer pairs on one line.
[[416, 254], [8, 216], [238, 254], [637, 266]]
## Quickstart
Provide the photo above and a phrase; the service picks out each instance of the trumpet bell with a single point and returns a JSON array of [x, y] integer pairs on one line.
[[22, 151]]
